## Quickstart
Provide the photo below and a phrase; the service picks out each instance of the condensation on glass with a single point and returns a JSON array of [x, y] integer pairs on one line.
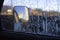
[[30, 17]]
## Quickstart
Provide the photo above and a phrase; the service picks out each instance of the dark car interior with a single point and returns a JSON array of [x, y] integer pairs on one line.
[[4, 34]]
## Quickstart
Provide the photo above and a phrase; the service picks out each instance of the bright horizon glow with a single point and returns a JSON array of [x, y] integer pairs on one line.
[[42, 4], [20, 16], [9, 10]]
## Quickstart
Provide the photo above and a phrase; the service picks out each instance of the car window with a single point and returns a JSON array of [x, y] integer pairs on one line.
[[31, 16]]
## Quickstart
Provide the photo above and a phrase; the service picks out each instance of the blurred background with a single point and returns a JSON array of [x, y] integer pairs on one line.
[[31, 16]]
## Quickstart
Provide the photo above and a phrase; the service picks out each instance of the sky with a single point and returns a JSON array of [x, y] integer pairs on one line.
[[42, 4]]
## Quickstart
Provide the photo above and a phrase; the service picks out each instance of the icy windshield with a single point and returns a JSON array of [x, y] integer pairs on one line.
[[32, 16], [43, 4]]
